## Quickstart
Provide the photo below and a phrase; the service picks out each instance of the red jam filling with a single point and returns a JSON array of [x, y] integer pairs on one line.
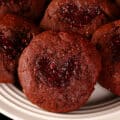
[[13, 45], [71, 14], [53, 75]]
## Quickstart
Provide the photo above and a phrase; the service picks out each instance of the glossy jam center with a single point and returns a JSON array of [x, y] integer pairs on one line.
[[53, 75], [14, 44], [71, 14]]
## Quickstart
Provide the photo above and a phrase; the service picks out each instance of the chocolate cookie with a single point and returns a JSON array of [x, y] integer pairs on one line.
[[80, 16], [107, 41], [30, 9], [15, 35], [58, 71]]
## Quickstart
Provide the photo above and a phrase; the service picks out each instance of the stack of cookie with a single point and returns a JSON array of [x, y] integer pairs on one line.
[[58, 50]]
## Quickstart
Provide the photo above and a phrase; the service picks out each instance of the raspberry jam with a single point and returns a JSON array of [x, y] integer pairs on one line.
[[14, 43], [71, 14], [53, 75]]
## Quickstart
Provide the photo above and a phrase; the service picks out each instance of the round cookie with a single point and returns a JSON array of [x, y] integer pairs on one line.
[[107, 41], [15, 35], [58, 71], [30, 9], [79, 16]]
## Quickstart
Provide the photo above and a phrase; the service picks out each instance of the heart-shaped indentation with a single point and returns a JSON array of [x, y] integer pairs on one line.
[[53, 74]]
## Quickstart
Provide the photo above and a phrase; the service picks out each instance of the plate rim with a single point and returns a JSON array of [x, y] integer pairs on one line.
[[91, 115]]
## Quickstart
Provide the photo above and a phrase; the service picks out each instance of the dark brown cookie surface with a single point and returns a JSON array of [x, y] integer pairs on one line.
[[58, 71], [107, 41], [30, 9], [15, 35]]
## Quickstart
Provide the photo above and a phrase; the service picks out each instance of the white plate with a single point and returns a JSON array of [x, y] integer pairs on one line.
[[101, 106]]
